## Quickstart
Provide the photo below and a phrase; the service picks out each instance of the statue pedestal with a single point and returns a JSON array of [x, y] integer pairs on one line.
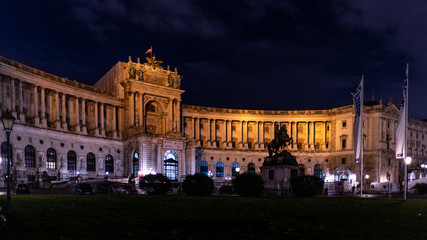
[[277, 171]]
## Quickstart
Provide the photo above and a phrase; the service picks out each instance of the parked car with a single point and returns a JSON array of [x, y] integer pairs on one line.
[[84, 189], [22, 189], [127, 189], [104, 187]]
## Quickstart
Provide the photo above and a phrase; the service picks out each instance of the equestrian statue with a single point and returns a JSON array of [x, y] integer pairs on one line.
[[281, 139]]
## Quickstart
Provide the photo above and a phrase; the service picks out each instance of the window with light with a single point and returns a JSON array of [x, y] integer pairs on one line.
[[135, 165], [219, 169], [204, 167], [109, 163], [171, 165], [51, 158]]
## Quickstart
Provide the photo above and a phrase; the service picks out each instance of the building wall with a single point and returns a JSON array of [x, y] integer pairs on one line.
[[138, 107]]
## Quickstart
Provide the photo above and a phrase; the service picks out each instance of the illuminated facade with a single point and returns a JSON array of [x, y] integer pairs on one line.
[[132, 121]]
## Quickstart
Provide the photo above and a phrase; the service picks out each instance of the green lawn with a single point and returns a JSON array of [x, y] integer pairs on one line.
[[183, 217]]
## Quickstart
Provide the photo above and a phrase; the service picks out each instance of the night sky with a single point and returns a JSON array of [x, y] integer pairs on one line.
[[248, 54]]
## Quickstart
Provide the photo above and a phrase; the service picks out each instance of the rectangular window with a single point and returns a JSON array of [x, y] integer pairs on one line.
[[343, 160], [344, 144], [344, 124]]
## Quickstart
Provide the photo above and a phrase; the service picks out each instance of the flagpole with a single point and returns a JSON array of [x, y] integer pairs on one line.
[[405, 155], [361, 130], [151, 52]]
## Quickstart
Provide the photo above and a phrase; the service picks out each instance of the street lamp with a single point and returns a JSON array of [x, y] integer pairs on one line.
[[408, 160], [8, 120]]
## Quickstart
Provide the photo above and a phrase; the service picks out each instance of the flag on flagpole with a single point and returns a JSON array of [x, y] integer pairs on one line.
[[358, 121], [403, 118], [149, 50]]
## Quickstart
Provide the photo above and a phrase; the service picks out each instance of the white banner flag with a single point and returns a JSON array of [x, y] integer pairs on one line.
[[403, 118], [358, 121]]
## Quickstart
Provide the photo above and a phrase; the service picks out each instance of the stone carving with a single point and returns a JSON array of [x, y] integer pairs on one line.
[[140, 74], [281, 138], [132, 72]]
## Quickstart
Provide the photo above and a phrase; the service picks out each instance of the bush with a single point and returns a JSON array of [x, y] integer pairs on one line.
[[307, 186], [420, 188], [198, 184], [248, 184], [155, 184]]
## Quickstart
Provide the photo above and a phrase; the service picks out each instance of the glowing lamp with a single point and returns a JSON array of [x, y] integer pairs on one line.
[[367, 176], [408, 160], [237, 169]]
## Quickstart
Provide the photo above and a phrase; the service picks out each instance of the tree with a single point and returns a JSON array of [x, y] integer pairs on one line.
[[307, 186], [249, 184], [198, 184]]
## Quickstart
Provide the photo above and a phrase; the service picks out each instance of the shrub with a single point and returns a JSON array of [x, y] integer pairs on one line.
[[307, 186], [420, 188], [198, 184], [155, 184], [248, 184]]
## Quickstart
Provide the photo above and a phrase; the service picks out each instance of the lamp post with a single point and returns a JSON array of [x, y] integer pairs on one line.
[[8, 120]]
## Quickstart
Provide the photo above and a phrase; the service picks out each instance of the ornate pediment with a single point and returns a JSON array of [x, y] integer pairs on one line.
[[152, 72]]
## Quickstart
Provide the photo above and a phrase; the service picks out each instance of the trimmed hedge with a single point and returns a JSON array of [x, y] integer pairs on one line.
[[307, 186], [420, 188], [248, 184], [155, 184], [198, 184]]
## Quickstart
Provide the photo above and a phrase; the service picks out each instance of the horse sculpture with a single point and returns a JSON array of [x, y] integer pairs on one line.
[[281, 139]]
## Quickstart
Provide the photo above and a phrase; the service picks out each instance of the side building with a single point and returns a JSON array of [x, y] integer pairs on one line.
[[132, 121]]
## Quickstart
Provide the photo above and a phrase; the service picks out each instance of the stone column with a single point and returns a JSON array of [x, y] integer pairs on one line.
[[42, 107], [55, 108], [120, 122], [245, 134], [141, 110], [20, 103], [131, 109], [256, 135], [228, 131], [114, 122], [102, 119], [36, 106], [77, 117], [96, 119], [261, 135], [83, 113], [170, 116], [314, 135], [178, 114], [12, 97], [296, 134], [193, 128], [197, 129], [64, 113], [241, 135]]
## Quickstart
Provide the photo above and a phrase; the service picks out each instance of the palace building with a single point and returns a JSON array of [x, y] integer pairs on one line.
[[132, 121]]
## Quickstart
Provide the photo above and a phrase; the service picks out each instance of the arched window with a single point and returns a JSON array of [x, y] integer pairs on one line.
[[90, 162], [301, 169], [171, 165], [4, 153], [30, 156], [318, 170], [71, 160], [109, 163], [204, 167], [51, 158], [219, 169], [135, 165], [251, 168], [235, 169]]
